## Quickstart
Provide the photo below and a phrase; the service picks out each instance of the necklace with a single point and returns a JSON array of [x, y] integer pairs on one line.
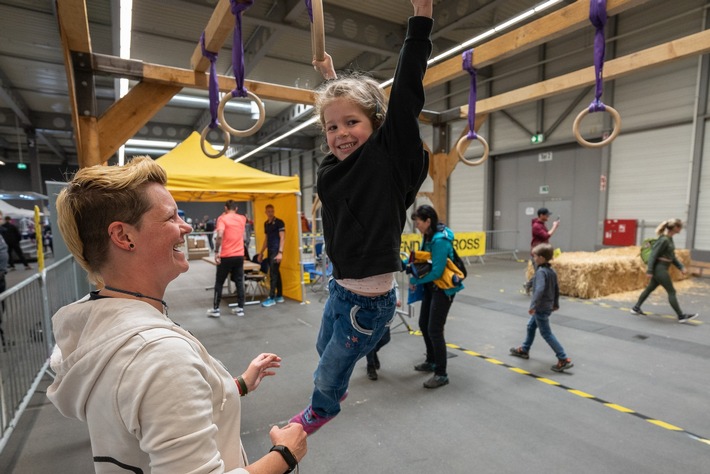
[[138, 295]]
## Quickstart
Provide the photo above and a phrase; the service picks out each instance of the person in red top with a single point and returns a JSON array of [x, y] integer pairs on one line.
[[229, 256], [540, 235]]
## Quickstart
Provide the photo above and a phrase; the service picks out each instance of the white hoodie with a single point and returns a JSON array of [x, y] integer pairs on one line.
[[153, 398]]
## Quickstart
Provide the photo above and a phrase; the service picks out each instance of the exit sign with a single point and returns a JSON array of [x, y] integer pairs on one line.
[[21, 166]]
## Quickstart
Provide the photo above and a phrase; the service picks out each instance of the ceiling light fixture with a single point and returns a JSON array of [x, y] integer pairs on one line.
[[477, 39]]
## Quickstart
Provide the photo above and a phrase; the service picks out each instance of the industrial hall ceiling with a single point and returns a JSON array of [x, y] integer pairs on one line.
[[366, 35]]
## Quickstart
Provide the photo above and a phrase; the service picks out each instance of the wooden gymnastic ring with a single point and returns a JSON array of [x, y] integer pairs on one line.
[[462, 145], [318, 30], [617, 128], [203, 139], [241, 133]]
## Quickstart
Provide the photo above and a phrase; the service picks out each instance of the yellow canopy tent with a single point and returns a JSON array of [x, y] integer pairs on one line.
[[194, 177]]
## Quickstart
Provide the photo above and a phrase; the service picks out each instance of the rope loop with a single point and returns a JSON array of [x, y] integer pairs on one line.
[[462, 144], [214, 82], [237, 7], [598, 18]]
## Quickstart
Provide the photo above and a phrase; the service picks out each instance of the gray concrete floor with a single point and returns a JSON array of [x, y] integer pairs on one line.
[[636, 400]]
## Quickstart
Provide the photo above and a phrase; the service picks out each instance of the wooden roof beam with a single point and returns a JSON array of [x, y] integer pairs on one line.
[[551, 26], [688, 46]]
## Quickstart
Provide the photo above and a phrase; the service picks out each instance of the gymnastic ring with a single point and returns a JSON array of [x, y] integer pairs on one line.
[[241, 133], [318, 30], [203, 139], [462, 145], [617, 128]]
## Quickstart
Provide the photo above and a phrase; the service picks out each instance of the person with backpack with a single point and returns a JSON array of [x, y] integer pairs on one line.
[[658, 266], [436, 300]]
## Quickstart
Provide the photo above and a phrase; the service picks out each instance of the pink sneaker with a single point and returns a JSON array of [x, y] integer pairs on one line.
[[310, 421]]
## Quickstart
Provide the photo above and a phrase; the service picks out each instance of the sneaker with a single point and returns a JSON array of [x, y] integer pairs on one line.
[[562, 365], [436, 381], [310, 421], [687, 317], [213, 313], [425, 367], [637, 311], [238, 311], [279, 299], [519, 352], [268, 302], [371, 372]]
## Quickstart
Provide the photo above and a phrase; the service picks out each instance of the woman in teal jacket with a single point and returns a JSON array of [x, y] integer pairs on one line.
[[437, 239]]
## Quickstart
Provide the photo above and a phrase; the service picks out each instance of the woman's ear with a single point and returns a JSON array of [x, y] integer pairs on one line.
[[120, 235]]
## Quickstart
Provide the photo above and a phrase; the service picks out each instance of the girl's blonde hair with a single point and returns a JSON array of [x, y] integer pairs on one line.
[[670, 224], [360, 89], [98, 196]]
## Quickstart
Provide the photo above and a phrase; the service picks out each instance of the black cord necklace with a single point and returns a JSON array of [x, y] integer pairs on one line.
[[138, 295]]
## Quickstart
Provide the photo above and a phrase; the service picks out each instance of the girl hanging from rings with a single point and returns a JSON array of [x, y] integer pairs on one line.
[[375, 166]]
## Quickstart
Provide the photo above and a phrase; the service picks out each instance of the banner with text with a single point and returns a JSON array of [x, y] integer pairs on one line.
[[467, 244]]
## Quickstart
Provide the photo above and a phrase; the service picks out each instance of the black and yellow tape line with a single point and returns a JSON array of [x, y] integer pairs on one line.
[[627, 310], [579, 393]]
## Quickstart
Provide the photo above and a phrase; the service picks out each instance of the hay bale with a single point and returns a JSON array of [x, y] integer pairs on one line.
[[607, 271]]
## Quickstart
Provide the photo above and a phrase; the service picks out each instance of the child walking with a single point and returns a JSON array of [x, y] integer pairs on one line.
[[366, 183], [545, 300]]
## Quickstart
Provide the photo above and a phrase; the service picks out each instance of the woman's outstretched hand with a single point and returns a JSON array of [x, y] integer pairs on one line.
[[259, 368]]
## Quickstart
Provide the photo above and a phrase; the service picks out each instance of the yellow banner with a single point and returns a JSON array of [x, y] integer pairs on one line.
[[467, 244]]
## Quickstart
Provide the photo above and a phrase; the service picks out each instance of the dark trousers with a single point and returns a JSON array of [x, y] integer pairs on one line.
[[661, 277], [15, 247], [432, 318], [372, 360], [275, 285], [235, 266]]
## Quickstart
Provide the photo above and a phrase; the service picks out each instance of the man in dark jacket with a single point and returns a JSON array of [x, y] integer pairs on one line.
[[12, 237]]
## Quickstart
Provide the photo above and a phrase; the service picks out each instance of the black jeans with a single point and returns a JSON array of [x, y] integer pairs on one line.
[[435, 309], [275, 285], [235, 266], [372, 355]]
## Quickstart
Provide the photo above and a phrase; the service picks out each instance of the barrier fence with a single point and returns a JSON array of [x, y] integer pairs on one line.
[[27, 340]]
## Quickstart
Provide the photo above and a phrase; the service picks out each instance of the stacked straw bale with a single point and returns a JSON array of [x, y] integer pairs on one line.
[[607, 271]]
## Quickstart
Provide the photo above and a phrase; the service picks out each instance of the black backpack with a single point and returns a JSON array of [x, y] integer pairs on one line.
[[459, 264]]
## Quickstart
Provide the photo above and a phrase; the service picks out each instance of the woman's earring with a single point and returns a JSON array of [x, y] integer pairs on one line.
[[131, 246]]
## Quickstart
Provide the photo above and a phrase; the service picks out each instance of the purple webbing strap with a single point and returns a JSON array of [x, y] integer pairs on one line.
[[238, 47], [468, 66], [597, 16], [214, 82], [309, 7]]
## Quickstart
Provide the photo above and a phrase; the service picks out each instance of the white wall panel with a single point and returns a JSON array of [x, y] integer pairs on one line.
[[649, 176], [702, 229], [657, 96]]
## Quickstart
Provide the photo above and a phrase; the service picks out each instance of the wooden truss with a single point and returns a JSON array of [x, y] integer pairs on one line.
[[98, 137]]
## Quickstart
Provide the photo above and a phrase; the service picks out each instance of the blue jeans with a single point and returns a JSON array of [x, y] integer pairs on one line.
[[352, 326], [541, 320]]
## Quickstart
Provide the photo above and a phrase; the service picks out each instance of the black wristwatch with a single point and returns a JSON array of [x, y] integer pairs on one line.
[[287, 455]]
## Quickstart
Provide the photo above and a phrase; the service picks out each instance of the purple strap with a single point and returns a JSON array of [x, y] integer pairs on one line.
[[214, 82], [468, 66], [597, 15], [238, 47], [309, 6]]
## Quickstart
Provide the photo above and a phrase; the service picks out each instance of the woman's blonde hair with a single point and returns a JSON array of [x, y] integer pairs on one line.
[[670, 224], [358, 88], [98, 196]]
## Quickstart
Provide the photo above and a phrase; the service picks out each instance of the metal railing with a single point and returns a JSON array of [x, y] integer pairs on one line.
[[26, 310]]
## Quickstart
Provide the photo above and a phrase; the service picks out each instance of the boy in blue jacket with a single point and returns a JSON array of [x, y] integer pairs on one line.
[[545, 300]]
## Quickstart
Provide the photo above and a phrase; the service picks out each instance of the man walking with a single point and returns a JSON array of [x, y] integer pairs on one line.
[[275, 233], [229, 256], [540, 235]]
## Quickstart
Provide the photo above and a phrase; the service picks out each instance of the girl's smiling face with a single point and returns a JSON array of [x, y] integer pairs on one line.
[[346, 127]]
